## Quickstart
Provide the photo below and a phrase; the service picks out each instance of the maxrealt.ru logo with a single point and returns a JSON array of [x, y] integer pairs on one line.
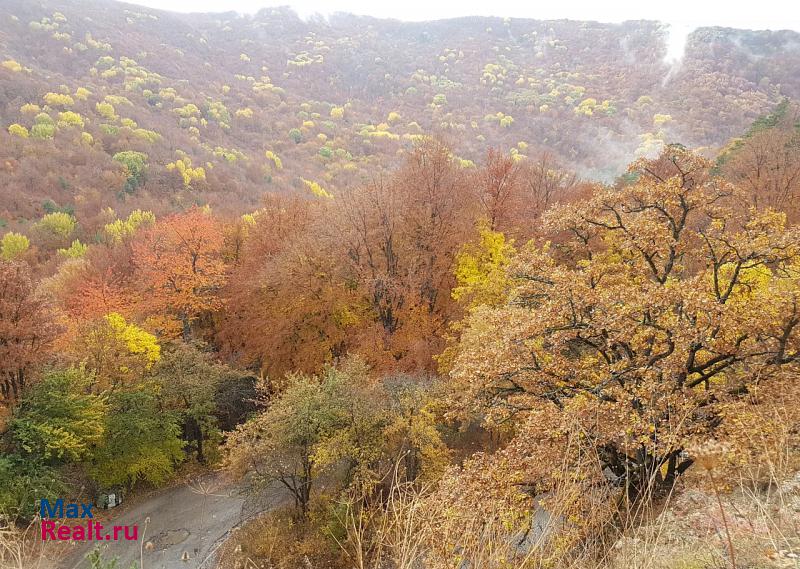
[[90, 530]]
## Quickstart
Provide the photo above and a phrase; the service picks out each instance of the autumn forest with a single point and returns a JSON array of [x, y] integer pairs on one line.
[[475, 293]]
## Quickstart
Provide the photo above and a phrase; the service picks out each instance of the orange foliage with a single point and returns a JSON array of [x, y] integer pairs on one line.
[[180, 270]]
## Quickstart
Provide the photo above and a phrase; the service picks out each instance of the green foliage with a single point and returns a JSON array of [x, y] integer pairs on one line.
[[43, 130], [342, 417], [75, 251], [59, 224], [49, 206], [142, 440], [23, 481], [43, 118], [217, 112], [59, 420], [189, 380], [769, 120], [285, 441], [359, 416], [135, 165], [412, 431], [762, 124], [119, 229], [109, 129], [98, 561], [296, 135], [13, 245]]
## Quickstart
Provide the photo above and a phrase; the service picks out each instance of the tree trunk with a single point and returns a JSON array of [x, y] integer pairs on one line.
[[187, 327], [199, 438]]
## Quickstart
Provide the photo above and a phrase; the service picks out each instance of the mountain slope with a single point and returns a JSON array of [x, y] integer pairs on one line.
[[206, 97]]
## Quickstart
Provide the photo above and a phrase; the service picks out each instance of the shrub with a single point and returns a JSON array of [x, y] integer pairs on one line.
[[69, 118], [135, 164], [43, 131], [13, 245], [18, 130], [58, 223], [106, 110], [75, 251], [58, 100], [12, 65]]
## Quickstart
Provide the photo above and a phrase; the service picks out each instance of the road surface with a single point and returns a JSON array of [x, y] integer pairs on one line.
[[179, 528]]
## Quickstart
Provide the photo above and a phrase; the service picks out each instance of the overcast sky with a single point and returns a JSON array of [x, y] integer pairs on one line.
[[761, 14]]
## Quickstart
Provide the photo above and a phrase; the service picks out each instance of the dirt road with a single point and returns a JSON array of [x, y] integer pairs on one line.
[[179, 527]]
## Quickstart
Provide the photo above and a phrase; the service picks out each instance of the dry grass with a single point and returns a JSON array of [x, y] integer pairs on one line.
[[21, 547]]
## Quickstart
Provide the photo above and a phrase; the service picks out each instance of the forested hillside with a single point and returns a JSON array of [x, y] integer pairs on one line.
[[224, 108], [470, 293]]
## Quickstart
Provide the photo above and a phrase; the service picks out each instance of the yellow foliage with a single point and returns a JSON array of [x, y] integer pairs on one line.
[[137, 340], [13, 245], [58, 100], [481, 269], [75, 251], [69, 118], [18, 130], [188, 110], [106, 110], [12, 65], [82, 93], [316, 189], [275, 159], [118, 229], [188, 174], [660, 120]]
